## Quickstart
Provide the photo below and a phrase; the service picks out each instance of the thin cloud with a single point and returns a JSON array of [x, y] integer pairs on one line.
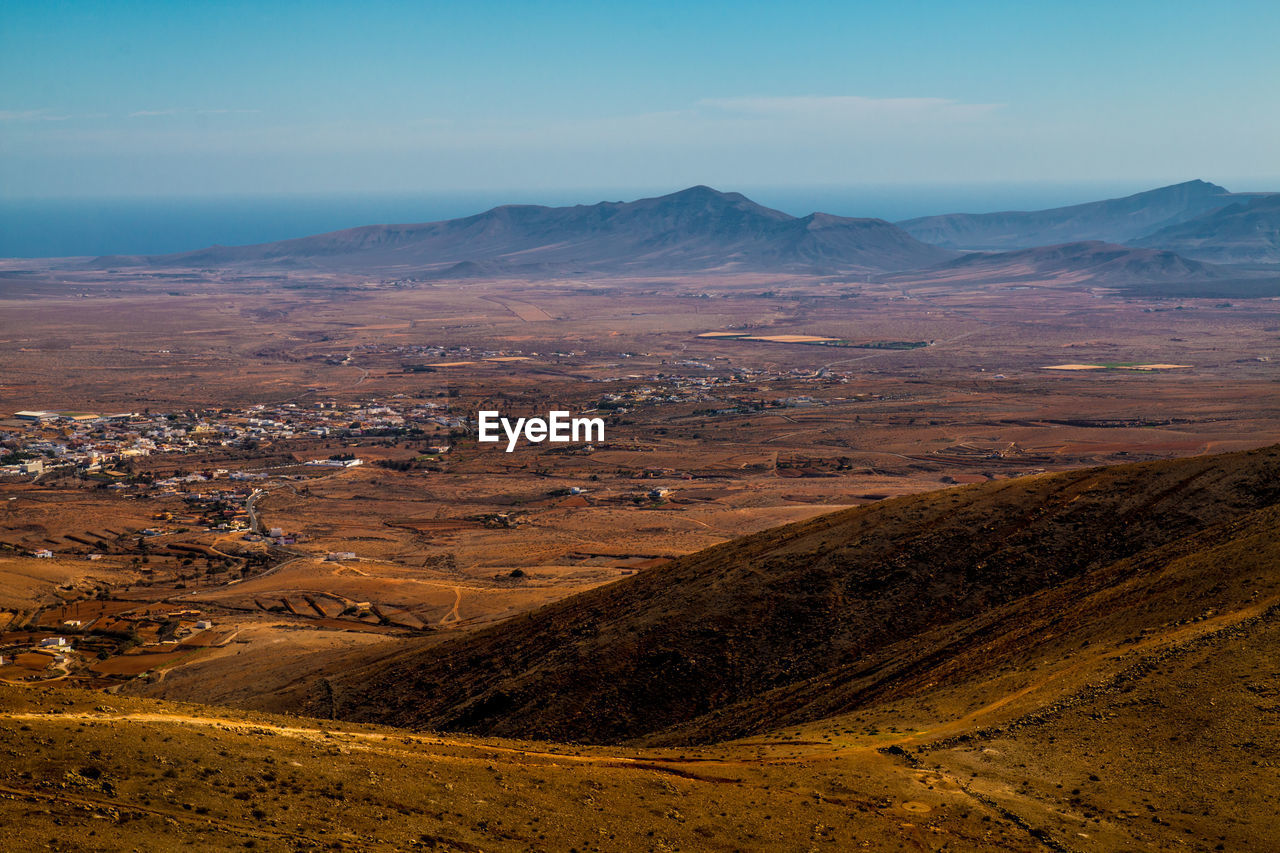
[[33, 115], [845, 108], [179, 112]]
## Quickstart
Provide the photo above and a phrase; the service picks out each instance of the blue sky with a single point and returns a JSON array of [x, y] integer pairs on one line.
[[192, 99]]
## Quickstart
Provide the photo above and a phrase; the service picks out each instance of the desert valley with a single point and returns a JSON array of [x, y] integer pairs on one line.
[[959, 533]]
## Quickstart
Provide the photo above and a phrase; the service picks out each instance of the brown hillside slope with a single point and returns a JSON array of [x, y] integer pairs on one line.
[[1042, 650], [1179, 752], [817, 602], [1157, 732], [80, 771]]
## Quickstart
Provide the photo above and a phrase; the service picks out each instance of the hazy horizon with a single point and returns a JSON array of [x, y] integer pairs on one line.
[[124, 225], [140, 127]]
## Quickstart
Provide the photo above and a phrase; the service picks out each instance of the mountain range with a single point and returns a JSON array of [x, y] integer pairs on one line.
[[1170, 235], [1197, 219], [1246, 232], [1093, 261], [1113, 220], [695, 229]]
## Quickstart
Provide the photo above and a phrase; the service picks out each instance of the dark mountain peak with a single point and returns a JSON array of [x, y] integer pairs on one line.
[[1205, 186], [1194, 188], [702, 192], [704, 198]]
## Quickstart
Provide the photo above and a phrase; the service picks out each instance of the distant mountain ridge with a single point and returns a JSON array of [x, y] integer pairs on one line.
[[700, 229], [1113, 220], [696, 229], [1103, 263], [1133, 271], [1246, 232]]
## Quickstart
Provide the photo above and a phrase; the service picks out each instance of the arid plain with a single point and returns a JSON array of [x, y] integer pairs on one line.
[[710, 434], [733, 404]]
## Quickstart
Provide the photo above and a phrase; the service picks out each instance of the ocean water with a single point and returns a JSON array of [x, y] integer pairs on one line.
[[63, 227]]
